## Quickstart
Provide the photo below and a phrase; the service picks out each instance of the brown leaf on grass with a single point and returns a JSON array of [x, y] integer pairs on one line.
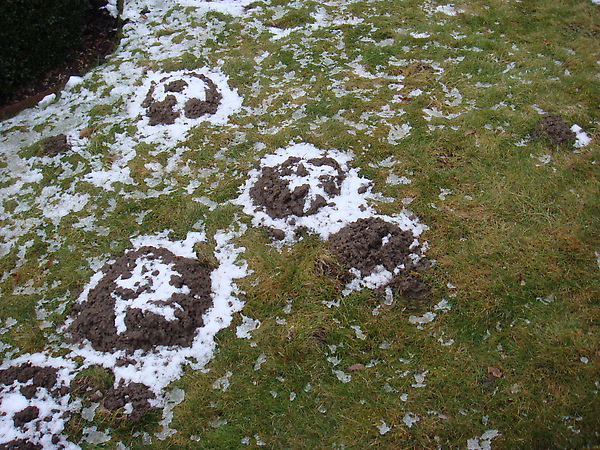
[[495, 372], [354, 367], [468, 132], [86, 132]]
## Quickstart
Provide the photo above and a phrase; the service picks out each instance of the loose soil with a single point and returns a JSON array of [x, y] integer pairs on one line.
[[135, 393], [554, 127], [271, 191], [164, 112], [368, 243], [98, 41], [94, 318], [55, 145], [31, 379]]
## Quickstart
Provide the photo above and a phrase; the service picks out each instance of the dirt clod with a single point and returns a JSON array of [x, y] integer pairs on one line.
[[135, 393], [55, 145], [25, 416], [165, 112], [554, 127]]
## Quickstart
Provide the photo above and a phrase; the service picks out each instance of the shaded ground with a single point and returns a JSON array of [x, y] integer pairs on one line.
[[97, 41]]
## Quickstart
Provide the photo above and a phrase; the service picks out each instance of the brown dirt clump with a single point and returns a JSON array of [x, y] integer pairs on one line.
[[20, 444], [25, 416], [368, 243], [554, 127], [55, 145], [32, 377], [94, 318], [271, 191], [135, 393], [164, 112], [195, 108]]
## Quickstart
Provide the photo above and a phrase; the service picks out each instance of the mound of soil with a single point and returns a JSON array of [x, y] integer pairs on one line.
[[55, 145], [554, 127], [164, 112], [152, 311], [272, 189], [98, 40], [368, 243]]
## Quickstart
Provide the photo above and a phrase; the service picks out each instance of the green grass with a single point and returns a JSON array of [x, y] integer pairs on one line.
[[511, 233]]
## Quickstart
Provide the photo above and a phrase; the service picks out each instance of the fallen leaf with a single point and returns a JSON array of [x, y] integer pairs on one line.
[[468, 132], [495, 372], [354, 367], [86, 132]]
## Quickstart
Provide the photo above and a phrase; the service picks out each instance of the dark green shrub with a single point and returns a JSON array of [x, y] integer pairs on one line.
[[35, 35]]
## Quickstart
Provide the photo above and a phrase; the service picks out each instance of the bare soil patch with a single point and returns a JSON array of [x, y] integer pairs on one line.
[[98, 41], [554, 127]]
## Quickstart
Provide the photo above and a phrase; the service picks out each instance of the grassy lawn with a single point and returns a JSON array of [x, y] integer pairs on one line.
[[438, 106]]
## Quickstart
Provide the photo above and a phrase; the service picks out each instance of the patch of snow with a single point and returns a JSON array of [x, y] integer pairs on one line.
[[383, 427], [581, 137], [410, 419], [248, 325]]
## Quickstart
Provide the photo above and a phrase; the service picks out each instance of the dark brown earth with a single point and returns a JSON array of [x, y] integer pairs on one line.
[[98, 41], [135, 393], [20, 444], [163, 112], [94, 318], [554, 127], [25, 416], [44, 377], [55, 145], [271, 191], [360, 245]]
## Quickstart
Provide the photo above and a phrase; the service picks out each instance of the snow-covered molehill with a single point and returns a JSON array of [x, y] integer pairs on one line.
[[152, 327], [170, 104]]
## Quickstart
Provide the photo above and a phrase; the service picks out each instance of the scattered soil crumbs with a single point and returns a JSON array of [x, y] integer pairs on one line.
[[31, 377], [20, 444], [39, 385], [553, 126], [146, 298], [135, 394], [272, 189], [164, 112], [368, 244], [55, 145]]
